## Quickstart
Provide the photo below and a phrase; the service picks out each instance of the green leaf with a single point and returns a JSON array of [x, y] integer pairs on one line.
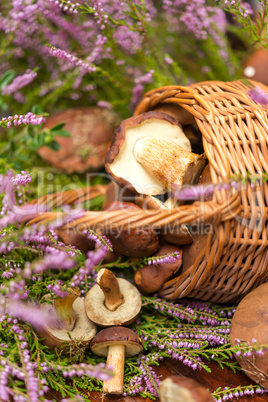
[[57, 127], [62, 133], [37, 109], [55, 146], [6, 78]]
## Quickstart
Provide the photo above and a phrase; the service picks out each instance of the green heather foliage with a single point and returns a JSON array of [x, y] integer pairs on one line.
[[56, 54]]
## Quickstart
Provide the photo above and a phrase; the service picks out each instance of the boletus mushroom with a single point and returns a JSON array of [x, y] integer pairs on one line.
[[131, 242], [150, 153], [91, 130], [256, 66], [116, 343], [112, 301], [72, 322], [183, 389], [151, 278], [75, 238], [250, 325]]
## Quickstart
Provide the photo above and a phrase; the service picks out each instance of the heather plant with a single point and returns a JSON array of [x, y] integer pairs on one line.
[[57, 54], [34, 262]]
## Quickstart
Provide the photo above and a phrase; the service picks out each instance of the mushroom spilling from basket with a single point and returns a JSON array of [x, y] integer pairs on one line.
[[150, 154], [183, 389], [150, 278], [132, 242], [70, 322], [112, 301], [250, 327]]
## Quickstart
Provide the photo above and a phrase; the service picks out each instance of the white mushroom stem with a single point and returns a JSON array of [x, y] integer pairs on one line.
[[110, 287], [115, 359], [168, 162], [64, 309]]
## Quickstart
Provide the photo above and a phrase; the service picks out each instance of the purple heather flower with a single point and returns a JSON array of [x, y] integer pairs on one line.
[[19, 82], [104, 104], [66, 6], [29, 118], [62, 54], [32, 315], [128, 40], [164, 259], [258, 95], [193, 192], [168, 60], [54, 259]]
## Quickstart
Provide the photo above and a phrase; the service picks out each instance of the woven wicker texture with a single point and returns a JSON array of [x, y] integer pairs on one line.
[[234, 131]]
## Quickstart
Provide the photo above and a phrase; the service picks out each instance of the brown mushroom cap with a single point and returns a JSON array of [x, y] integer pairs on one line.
[[91, 130], [84, 329], [177, 112], [191, 252], [116, 193], [256, 66], [120, 162], [179, 235], [135, 242], [182, 389], [250, 322], [125, 314], [74, 238], [116, 336], [151, 278]]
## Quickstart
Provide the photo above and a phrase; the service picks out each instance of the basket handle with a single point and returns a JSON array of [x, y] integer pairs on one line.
[[200, 212]]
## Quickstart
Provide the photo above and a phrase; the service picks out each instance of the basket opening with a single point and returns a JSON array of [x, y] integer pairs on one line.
[[187, 121], [195, 136]]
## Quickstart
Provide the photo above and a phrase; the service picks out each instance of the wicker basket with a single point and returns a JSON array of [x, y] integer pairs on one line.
[[235, 140]]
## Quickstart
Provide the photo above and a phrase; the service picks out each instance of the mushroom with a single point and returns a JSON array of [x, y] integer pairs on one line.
[[179, 235], [72, 321], [169, 163], [199, 238], [116, 193], [125, 161], [91, 130], [112, 301], [75, 238], [177, 112], [116, 343], [183, 389], [131, 242], [256, 66], [151, 278], [250, 325]]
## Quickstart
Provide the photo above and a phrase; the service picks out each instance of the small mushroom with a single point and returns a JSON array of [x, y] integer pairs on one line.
[[91, 130], [113, 301], [179, 235], [116, 343], [183, 389], [116, 193], [151, 278], [72, 321], [199, 235], [250, 325], [134, 242], [75, 238], [128, 142], [256, 66]]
